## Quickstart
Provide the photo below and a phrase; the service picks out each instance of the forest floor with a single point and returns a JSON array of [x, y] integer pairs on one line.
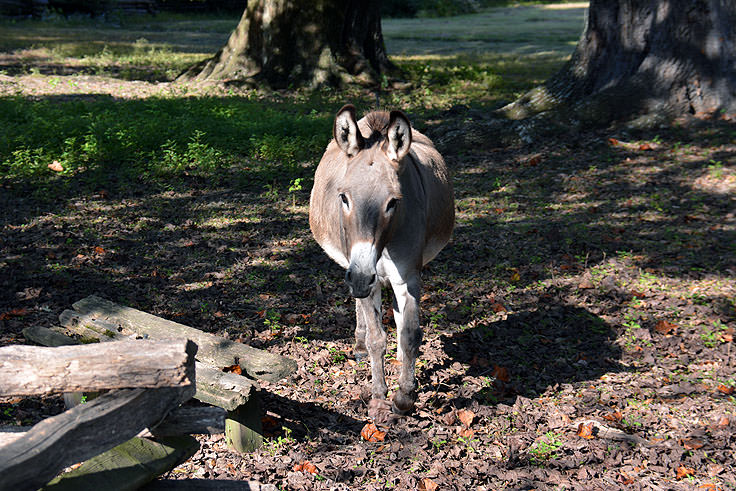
[[578, 329]]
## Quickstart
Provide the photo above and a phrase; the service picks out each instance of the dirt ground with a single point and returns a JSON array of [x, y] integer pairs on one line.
[[578, 329]]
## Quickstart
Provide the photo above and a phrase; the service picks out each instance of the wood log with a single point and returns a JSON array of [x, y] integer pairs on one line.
[[46, 337], [223, 389], [128, 466], [215, 350], [83, 432], [192, 421], [226, 390], [11, 433], [207, 420], [32, 370]]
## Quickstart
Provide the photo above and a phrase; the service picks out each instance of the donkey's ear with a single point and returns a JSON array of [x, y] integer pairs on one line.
[[399, 136], [346, 132]]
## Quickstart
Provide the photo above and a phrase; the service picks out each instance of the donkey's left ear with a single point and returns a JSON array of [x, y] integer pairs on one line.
[[399, 136]]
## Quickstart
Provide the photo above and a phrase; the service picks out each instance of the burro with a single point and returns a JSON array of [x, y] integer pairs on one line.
[[382, 207]]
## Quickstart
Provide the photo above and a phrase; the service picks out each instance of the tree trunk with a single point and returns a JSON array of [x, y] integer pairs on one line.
[[289, 43], [661, 58]]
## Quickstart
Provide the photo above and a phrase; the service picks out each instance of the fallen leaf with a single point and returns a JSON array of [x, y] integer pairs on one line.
[[645, 147], [683, 472], [466, 433], [516, 277], [219, 314], [613, 142], [725, 389], [233, 369], [466, 417], [534, 160], [305, 466], [708, 486], [426, 484], [585, 431], [637, 294], [371, 433], [19, 312], [449, 418], [664, 327], [56, 166], [692, 444], [614, 416], [498, 307], [586, 284], [99, 250], [501, 373]]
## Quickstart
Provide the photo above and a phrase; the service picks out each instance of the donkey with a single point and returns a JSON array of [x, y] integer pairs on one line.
[[382, 206]]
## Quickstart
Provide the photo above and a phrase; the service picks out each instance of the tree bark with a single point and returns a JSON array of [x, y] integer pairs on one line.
[[661, 58], [290, 43]]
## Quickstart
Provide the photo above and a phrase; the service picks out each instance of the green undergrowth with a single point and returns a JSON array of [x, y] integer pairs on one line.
[[157, 139]]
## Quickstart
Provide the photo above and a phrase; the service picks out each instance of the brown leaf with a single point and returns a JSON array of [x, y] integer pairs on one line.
[[466, 417], [683, 472], [305, 466], [501, 373], [56, 166], [233, 369], [637, 294], [426, 484], [585, 431], [19, 312], [692, 444], [613, 142], [371, 433], [466, 432], [99, 250], [723, 421], [586, 284], [664, 327], [725, 389], [645, 147], [498, 307], [614, 416], [449, 418]]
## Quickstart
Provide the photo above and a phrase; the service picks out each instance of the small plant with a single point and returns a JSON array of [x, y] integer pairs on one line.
[[272, 320], [294, 186], [545, 448], [337, 356]]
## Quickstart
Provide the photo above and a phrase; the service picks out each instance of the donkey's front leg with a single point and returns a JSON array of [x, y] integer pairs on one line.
[[409, 338], [375, 342]]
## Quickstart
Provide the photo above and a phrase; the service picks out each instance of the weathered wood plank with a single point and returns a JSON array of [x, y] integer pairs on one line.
[[46, 337], [126, 467], [11, 433], [217, 351], [192, 421], [83, 432], [31, 370], [225, 390], [243, 430]]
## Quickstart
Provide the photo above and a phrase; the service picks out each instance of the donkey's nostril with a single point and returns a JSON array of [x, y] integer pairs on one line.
[[349, 275], [373, 279]]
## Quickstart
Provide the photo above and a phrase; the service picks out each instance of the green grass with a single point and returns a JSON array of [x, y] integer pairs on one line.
[[157, 138]]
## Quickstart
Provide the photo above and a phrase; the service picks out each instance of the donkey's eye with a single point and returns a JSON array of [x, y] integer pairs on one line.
[[344, 200], [391, 205]]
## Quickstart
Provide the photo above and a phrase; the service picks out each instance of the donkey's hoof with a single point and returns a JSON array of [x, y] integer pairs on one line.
[[403, 404], [379, 410]]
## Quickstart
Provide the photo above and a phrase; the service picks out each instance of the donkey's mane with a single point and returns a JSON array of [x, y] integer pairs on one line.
[[378, 124]]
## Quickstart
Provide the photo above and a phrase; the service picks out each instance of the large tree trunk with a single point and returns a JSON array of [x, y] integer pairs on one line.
[[289, 43], [644, 58]]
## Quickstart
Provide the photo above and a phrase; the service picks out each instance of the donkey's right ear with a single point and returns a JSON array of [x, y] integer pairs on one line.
[[346, 132]]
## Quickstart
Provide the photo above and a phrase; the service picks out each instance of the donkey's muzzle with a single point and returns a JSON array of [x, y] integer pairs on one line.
[[360, 283]]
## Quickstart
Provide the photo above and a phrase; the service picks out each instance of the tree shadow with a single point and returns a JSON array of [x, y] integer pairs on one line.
[[528, 352]]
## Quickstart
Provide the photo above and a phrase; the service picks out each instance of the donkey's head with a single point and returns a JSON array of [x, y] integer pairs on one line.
[[369, 194]]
